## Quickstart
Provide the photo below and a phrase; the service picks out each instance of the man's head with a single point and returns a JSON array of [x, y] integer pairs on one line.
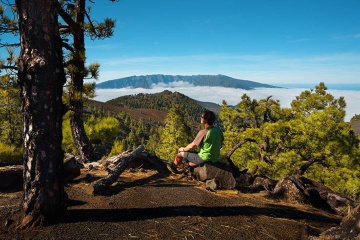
[[209, 116]]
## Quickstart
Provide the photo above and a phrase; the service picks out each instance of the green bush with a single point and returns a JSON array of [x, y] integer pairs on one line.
[[10, 155]]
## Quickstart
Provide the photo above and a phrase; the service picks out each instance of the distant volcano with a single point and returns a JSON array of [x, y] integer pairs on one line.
[[148, 81]]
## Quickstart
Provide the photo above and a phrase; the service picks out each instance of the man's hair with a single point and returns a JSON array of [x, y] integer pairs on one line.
[[209, 116]]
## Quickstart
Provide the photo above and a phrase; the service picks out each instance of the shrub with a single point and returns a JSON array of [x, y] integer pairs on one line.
[[10, 155]]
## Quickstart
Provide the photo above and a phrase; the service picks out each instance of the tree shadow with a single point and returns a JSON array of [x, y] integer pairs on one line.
[[138, 214], [151, 180]]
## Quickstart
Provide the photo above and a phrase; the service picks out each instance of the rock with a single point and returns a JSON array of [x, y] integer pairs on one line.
[[287, 190], [211, 185], [264, 182], [217, 171], [244, 180]]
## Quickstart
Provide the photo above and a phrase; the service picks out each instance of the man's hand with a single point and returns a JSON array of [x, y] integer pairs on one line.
[[182, 149]]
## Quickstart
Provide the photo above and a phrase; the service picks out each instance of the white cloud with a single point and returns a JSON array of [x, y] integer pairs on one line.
[[233, 96], [265, 68], [177, 84]]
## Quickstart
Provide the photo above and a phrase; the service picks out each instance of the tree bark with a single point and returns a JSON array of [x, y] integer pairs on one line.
[[77, 72], [311, 161], [81, 140], [41, 79], [235, 170]]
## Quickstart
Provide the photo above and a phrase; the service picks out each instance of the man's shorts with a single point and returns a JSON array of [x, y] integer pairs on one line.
[[193, 157]]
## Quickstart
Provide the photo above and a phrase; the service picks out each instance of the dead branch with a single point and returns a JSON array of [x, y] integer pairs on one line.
[[105, 182], [239, 145], [312, 160]]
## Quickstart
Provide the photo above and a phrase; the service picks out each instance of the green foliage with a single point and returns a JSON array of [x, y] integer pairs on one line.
[[10, 155], [131, 131], [103, 130], [153, 142], [10, 112], [174, 134], [117, 148], [287, 138], [67, 141]]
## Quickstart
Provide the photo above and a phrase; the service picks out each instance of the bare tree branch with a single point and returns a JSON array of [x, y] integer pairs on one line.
[[311, 161], [239, 145]]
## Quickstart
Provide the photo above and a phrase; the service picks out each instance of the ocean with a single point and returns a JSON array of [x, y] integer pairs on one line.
[[337, 86]]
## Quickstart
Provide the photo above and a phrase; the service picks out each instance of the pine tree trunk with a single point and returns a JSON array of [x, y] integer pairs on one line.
[[41, 79], [81, 140]]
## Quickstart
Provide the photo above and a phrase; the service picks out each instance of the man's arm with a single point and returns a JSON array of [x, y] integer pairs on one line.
[[194, 143], [187, 148]]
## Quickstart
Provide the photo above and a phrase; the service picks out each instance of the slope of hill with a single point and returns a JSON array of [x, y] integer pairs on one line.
[[162, 102], [211, 106], [147, 115], [197, 80], [356, 126]]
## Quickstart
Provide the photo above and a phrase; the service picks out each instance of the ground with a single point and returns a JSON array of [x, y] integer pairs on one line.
[[151, 205]]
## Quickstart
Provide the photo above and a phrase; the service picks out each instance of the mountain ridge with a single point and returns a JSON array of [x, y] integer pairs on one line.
[[147, 81]]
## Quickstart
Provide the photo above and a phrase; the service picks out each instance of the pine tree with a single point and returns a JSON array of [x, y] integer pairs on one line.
[[174, 134]]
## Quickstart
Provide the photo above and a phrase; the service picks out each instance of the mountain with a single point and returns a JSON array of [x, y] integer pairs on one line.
[[197, 80], [153, 107]]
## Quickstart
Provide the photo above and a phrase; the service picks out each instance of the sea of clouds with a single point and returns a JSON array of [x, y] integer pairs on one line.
[[231, 95]]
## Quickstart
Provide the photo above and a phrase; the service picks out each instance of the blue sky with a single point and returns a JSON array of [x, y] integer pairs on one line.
[[278, 41]]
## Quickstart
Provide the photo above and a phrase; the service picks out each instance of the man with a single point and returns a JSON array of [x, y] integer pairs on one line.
[[209, 140]]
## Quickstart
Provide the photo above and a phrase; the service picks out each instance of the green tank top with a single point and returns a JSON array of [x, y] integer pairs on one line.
[[211, 145]]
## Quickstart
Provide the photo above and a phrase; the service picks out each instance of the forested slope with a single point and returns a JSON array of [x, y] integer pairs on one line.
[[161, 101]]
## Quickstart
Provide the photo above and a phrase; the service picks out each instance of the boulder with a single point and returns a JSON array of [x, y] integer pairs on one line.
[[219, 172]]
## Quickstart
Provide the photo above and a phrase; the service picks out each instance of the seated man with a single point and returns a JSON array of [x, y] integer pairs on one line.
[[209, 141]]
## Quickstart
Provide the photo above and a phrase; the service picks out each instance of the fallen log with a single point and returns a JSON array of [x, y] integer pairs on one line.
[[122, 163], [11, 177], [111, 162]]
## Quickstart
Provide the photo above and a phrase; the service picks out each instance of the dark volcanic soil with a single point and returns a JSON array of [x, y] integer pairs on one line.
[[150, 205]]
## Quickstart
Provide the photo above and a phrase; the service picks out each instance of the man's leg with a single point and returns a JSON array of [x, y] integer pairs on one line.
[[192, 159], [178, 158], [191, 164], [172, 166]]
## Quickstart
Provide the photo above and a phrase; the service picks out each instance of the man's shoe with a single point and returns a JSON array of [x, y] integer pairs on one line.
[[172, 168]]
